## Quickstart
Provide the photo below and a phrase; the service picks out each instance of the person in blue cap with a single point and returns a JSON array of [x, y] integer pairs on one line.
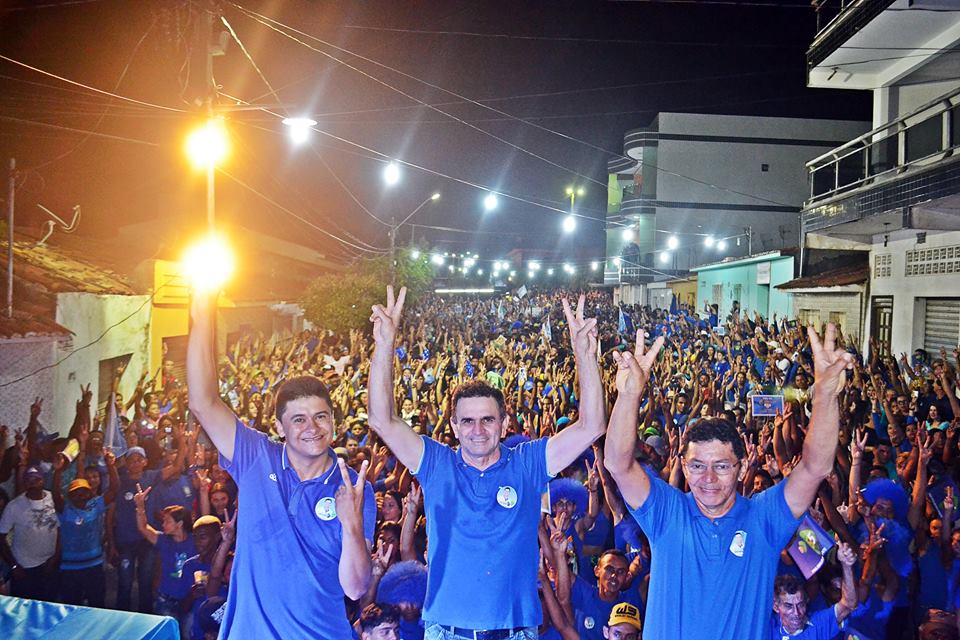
[[305, 530], [714, 552], [482, 500]]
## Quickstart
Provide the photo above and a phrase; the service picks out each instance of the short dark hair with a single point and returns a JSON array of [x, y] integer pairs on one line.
[[374, 615], [613, 552], [708, 429], [301, 387], [179, 514], [787, 585], [479, 389]]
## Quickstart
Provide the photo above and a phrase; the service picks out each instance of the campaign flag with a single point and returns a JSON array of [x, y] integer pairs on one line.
[[547, 331], [500, 311], [113, 439], [621, 322], [673, 304], [522, 291], [809, 546]]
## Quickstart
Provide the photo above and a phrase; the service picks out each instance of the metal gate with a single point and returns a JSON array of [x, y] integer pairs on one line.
[[941, 325]]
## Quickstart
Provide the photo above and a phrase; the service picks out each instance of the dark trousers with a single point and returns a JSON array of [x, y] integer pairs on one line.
[[79, 585], [136, 560], [37, 584]]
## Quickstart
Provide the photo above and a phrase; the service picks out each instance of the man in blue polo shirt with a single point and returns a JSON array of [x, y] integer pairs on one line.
[[303, 538], [482, 500], [715, 552]]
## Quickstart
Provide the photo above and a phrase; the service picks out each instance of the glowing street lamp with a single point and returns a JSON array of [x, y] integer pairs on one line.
[[628, 234], [208, 264], [415, 254], [299, 129], [708, 241], [391, 174], [594, 265], [490, 202], [569, 224], [437, 259], [722, 245], [664, 257], [672, 243], [207, 146]]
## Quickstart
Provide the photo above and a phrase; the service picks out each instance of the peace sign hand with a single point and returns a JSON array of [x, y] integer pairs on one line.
[[830, 363], [349, 498], [140, 497], [386, 319], [381, 559], [583, 331], [633, 369], [228, 530]]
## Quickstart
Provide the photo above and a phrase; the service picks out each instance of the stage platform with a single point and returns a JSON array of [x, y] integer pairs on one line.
[[32, 619]]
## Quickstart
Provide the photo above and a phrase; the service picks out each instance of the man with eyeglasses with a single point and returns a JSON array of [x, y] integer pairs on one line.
[[714, 552]]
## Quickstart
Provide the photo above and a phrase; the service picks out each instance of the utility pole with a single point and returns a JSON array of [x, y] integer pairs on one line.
[[393, 250], [749, 232], [11, 192]]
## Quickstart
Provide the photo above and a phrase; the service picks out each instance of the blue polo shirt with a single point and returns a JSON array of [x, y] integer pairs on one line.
[[723, 568], [821, 625], [285, 579], [482, 528], [125, 515], [591, 612]]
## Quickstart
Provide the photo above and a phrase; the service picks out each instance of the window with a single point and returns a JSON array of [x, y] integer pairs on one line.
[[838, 318], [717, 294], [809, 317], [764, 167]]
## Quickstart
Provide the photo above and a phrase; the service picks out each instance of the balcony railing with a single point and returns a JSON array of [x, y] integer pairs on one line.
[[924, 136], [838, 21]]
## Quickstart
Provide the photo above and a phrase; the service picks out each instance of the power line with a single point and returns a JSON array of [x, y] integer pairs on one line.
[[88, 132], [267, 22], [88, 87]]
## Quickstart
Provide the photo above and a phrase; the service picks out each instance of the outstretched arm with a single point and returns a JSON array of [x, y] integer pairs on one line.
[[354, 567], [397, 434], [633, 373], [820, 445], [148, 532], [216, 417], [564, 447], [848, 589]]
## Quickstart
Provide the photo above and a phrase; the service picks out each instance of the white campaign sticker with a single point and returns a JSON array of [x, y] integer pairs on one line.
[[739, 543], [507, 497], [326, 508]]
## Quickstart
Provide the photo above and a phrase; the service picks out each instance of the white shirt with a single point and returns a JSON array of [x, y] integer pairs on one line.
[[35, 527]]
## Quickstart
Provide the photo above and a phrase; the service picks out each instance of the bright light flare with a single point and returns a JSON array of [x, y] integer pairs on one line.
[[208, 144], [722, 245], [299, 129], [208, 264], [415, 254], [435, 196], [391, 174], [490, 202], [437, 259], [708, 241], [672, 243], [664, 257], [628, 234], [594, 265], [569, 224]]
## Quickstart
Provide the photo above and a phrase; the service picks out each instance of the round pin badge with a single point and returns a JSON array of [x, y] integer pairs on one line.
[[589, 623], [128, 496], [326, 508], [507, 497]]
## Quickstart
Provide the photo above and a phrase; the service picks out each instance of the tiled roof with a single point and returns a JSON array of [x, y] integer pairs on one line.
[[59, 271], [851, 274], [25, 325]]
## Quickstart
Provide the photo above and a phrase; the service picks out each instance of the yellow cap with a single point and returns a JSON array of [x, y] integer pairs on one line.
[[625, 613], [79, 483]]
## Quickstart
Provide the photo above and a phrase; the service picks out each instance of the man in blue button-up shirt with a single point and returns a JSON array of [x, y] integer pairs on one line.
[[482, 500], [303, 535], [714, 552]]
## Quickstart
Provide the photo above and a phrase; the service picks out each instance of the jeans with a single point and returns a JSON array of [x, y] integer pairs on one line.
[[136, 559], [438, 632], [36, 584], [78, 585]]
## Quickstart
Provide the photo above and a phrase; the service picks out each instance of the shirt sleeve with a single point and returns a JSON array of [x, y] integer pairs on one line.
[[775, 515], [534, 456], [661, 508], [248, 444], [369, 512], [6, 520], [432, 455]]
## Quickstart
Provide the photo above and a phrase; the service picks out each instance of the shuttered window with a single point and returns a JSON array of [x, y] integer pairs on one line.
[[941, 326]]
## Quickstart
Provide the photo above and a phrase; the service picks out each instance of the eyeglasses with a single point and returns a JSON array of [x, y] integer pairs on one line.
[[719, 468]]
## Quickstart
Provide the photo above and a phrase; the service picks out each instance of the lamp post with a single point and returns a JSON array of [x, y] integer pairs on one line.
[[570, 222], [394, 228], [207, 146]]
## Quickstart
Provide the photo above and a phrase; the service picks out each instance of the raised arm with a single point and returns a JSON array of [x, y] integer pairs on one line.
[[354, 567], [397, 434], [148, 532], [633, 373], [564, 447], [848, 588], [214, 416], [228, 533], [111, 493], [820, 445]]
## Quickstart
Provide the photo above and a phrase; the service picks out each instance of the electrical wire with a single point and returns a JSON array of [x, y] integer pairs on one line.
[[90, 344], [88, 132], [265, 21], [106, 108], [275, 26], [88, 87], [250, 59]]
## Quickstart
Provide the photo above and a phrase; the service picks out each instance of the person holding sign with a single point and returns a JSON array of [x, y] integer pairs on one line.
[[482, 501], [715, 552]]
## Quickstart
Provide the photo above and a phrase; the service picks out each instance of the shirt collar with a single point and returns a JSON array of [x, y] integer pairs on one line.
[[504, 452], [285, 463]]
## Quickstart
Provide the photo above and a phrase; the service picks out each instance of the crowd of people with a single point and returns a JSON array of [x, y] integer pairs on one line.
[[843, 463]]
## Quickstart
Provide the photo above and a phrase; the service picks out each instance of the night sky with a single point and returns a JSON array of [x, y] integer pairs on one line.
[[586, 71]]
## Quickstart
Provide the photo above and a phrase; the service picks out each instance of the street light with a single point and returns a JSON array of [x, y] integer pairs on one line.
[[530, 275], [569, 224], [722, 245], [664, 257], [628, 234], [594, 265], [391, 174], [207, 146], [490, 202], [299, 129], [708, 241], [550, 272], [415, 254], [208, 264], [672, 243], [437, 259]]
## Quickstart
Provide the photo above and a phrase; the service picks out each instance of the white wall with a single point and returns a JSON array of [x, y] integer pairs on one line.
[[88, 316], [737, 166], [849, 303], [907, 332], [19, 358]]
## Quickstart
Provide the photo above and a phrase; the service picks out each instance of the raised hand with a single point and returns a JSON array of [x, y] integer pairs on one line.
[[857, 445], [140, 497], [380, 560], [85, 394], [593, 474], [830, 364], [583, 331], [846, 555], [349, 496], [36, 408], [633, 369], [228, 530], [948, 501], [411, 502], [386, 319]]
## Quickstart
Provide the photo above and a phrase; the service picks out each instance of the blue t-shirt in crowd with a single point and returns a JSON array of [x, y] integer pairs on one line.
[[173, 555], [821, 625], [190, 567], [591, 613], [285, 580], [869, 620], [712, 579], [482, 531], [125, 516], [165, 493], [81, 535]]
